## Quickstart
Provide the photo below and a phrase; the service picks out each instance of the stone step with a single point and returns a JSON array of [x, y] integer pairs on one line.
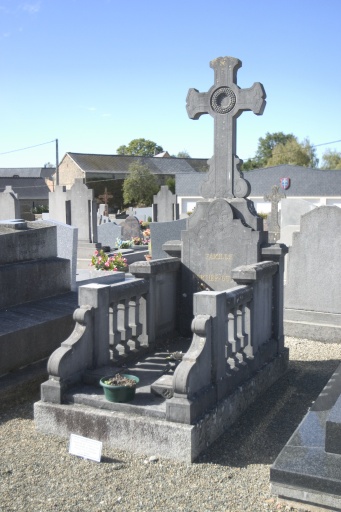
[[32, 331]]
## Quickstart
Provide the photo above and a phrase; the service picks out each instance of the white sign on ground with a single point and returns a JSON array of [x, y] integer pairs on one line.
[[85, 447]]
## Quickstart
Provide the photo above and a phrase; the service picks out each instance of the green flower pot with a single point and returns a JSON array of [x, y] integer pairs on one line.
[[118, 393]]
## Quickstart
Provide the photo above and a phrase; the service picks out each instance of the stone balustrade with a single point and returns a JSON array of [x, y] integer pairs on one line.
[[112, 321], [233, 337]]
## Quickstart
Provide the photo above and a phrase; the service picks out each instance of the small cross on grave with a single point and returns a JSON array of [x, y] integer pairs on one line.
[[273, 223], [225, 102], [105, 198]]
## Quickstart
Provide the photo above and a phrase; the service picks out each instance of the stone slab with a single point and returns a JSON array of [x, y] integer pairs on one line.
[[24, 244], [33, 280], [333, 429], [314, 270], [304, 470], [32, 331], [108, 233], [162, 232]]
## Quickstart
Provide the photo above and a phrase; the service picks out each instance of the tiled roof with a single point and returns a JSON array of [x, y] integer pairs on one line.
[[304, 182], [120, 163], [27, 172], [26, 188]]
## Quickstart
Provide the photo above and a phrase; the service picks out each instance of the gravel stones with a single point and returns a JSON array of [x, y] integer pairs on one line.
[[38, 474]]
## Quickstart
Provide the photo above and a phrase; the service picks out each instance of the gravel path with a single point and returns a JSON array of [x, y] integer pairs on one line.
[[38, 474]]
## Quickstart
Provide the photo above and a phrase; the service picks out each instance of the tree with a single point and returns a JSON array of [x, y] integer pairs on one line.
[[170, 182], [281, 148], [183, 154], [140, 147], [140, 186], [294, 153], [265, 148], [331, 159]]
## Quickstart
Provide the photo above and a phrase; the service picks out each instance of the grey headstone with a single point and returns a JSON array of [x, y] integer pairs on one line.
[[165, 206], [162, 232], [215, 243], [292, 210], [57, 204], [107, 234], [67, 238], [224, 230], [83, 211], [77, 208], [9, 204], [313, 293], [130, 228]]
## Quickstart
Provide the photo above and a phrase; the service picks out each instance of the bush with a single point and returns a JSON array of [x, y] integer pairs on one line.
[[42, 208]]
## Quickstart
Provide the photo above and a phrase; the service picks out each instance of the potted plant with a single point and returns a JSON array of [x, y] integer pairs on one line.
[[120, 387]]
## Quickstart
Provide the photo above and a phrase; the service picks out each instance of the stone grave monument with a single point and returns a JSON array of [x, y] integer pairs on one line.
[[105, 198], [77, 207], [9, 204], [224, 231], [130, 228], [312, 292], [165, 207], [36, 304], [274, 228], [307, 472], [227, 276]]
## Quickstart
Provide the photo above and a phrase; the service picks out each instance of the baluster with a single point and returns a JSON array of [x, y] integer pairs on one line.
[[134, 324], [123, 324], [232, 338], [248, 347], [114, 333]]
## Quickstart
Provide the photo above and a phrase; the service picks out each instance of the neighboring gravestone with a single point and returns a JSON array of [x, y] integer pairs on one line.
[[274, 228], [67, 238], [162, 232], [59, 205], [83, 211], [9, 204], [105, 198], [292, 210], [108, 233], [77, 208], [130, 228], [313, 293], [165, 207]]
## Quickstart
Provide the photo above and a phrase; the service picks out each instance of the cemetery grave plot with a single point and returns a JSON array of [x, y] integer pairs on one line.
[[224, 290]]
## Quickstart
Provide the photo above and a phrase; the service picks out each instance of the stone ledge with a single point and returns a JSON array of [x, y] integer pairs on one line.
[[153, 436]]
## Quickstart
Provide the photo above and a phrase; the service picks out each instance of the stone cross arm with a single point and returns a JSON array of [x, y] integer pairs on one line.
[[253, 98]]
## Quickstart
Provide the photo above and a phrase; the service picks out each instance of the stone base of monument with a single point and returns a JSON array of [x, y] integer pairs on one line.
[[308, 469], [140, 426]]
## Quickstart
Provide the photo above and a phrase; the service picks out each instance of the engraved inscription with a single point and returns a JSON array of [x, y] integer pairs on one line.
[[219, 256], [213, 278]]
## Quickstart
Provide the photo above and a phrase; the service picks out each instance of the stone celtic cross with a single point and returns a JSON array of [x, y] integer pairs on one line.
[[105, 198], [273, 222], [225, 102]]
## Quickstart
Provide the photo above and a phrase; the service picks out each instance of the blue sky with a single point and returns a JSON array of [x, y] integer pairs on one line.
[[98, 73]]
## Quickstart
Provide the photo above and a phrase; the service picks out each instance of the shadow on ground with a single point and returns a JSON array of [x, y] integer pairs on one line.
[[263, 430]]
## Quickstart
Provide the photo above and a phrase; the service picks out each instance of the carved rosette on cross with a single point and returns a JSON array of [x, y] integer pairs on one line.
[[225, 102]]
